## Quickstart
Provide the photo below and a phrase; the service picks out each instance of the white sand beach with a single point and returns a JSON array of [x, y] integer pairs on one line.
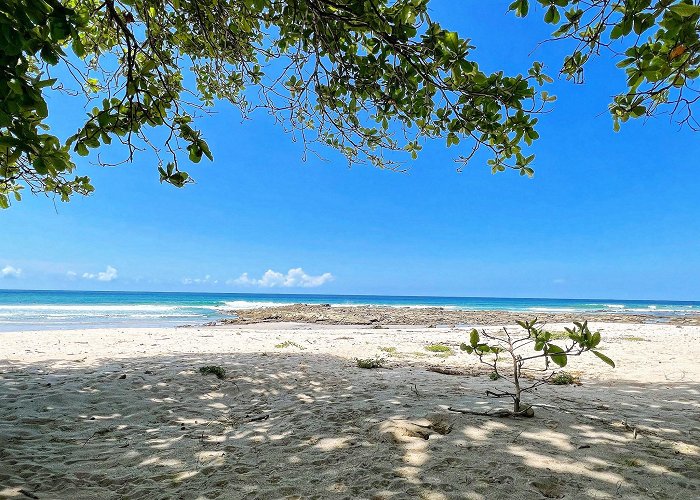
[[126, 414]]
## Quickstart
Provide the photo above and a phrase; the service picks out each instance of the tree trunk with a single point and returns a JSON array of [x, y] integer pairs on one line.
[[516, 378]]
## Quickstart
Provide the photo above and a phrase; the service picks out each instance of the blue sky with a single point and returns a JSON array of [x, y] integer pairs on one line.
[[607, 215]]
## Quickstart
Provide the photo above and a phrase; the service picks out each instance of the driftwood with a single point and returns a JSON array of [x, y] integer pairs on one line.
[[447, 371], [258, 418], [497, 412]]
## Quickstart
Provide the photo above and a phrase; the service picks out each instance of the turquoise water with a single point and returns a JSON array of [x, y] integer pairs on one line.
[[51, 309]]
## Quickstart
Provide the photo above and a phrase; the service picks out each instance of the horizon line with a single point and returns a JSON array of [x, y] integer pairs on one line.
[[349, 295]]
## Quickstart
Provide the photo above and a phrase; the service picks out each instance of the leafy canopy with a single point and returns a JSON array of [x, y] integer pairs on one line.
[[366, 77], [656, 43]]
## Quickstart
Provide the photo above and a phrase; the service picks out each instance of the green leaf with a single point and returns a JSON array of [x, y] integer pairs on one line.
[[520, 7], [604, 358], [685, 10], [78, 46], [552, 15], [616, 32], [46, 83], [465, 347], [474, 337], [451, 39], [557, 355], [205, 149], [178, 179], [40, 166], [16, 86]]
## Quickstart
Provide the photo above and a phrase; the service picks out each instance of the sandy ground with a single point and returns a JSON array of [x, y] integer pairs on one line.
[[126, 414]]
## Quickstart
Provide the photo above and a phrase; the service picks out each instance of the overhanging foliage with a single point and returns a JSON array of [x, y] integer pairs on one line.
[[366, 77]]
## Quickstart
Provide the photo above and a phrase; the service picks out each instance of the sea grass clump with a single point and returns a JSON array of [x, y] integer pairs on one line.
[[288, 343]]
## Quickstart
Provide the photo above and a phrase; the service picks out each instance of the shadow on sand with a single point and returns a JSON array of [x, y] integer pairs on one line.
[[309, 426]]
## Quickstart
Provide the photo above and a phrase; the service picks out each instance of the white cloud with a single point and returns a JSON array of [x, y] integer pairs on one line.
[[10, 272], [243, 279], [199, 281], [294, 278], [108, 274], [71, 275]]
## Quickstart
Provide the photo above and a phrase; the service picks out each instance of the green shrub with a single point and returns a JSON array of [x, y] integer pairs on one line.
[[370, 363], [564, 378], [214, 370], [494, 376], [490, 348]]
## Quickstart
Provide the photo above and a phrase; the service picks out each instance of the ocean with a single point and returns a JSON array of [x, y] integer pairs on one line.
[[22, 310]]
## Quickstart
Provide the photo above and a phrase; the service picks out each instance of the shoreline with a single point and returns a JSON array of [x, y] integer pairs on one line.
[[48, 310]]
